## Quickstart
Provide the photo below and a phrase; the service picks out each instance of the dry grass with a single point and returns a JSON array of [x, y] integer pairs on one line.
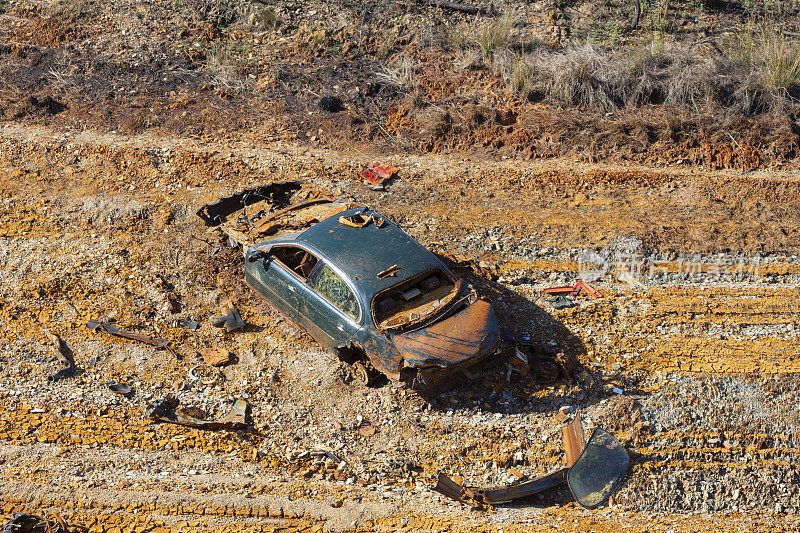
[[254, 15], [471, 59], [494, 35], [774, 54], [222, 67], [759, 78], [398, 75]]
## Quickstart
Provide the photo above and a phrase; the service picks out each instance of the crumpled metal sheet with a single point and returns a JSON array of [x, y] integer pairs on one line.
[[167, 411], [31, 523], [231, 320]]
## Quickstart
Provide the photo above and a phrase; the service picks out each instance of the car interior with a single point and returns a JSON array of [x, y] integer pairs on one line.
[[296, 259], [412, 294]]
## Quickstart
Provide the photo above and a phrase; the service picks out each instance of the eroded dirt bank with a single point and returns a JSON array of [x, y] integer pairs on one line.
[[704, 352]]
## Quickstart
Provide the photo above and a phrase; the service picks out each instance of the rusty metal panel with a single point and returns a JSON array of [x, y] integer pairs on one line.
[[453, 340], [167, 410], [574, 440]]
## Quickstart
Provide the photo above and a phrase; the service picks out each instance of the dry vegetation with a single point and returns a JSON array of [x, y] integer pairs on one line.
[[691, 74]]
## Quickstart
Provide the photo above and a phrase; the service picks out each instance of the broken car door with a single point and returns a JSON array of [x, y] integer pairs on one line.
[[329, 308], [275, 279]]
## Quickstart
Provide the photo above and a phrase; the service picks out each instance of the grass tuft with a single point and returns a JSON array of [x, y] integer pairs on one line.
[[495, 35], [399, 75]]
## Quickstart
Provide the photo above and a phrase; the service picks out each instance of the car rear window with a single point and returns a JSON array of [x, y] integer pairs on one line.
[[410, 301]]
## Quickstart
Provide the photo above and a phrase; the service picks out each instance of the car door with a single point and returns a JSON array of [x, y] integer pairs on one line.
[[275, 281], [329, 307]]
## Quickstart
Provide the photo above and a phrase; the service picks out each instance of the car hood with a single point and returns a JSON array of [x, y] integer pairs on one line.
[[469, 333]]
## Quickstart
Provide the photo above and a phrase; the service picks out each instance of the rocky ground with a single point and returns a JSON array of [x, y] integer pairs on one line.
[[693, 355], [119, 120]]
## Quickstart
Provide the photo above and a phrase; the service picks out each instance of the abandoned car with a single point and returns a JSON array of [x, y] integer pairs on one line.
[[359, 285]]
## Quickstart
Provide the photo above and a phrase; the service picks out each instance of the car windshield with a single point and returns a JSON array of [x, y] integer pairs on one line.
[[414, 301]]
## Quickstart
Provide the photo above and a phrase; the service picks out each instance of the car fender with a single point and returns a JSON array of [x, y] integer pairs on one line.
[[383, 354]]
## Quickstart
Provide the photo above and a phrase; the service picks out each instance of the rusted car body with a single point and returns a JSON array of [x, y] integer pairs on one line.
[[358, 284]]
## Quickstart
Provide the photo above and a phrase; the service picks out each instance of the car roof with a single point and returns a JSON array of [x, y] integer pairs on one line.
[[364, 252]]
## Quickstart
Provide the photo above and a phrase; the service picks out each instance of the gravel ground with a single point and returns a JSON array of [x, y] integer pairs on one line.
[[694, 374]]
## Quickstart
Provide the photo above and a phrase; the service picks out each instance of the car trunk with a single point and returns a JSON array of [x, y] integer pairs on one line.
[[466, 334]]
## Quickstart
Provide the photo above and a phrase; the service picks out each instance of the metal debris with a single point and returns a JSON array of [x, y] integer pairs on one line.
[[216, 356], [64, 354], [255, 214], [205, 374], [391, 271], [189, 324], [479, 498], [574, 441], [562, 302], [359, 220], [594, 471], [167, 411], [573, 290], [542, 362], [99, 325], [31, 523], [376, 175], [123, 389], [231, 320]]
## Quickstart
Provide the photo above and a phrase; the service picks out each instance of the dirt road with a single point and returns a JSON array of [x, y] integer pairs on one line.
[[701, 342]]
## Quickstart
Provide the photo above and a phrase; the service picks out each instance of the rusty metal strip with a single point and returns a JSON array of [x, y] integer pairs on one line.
[[391, 271], [99, 325], [477, 498], [574, 440], [167, 411]]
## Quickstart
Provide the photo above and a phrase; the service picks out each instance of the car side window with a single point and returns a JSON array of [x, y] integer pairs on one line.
[[295, 258], [332, 287]]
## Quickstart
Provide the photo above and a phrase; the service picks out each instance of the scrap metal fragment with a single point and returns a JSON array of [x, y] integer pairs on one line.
[[216, 356], [167, 411], [562, 302], [391, 271], [478, 498], [31, 523], [122, 389], [376, 176], [63, 354], [359, 220], [205, 374], [574, 441], [573, 290], [231, 320], [189, 324], [99, 325], [594, 470]]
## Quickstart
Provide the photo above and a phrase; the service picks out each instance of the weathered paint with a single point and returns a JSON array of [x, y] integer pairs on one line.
[[453, 346], [382, 353], [365, 252], [467, 334]]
